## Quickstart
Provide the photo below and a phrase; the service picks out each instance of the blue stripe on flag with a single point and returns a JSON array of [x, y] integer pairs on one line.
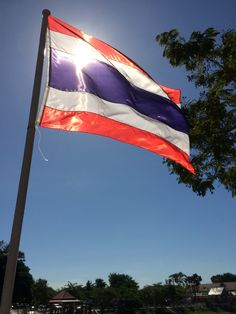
[[106, 82]]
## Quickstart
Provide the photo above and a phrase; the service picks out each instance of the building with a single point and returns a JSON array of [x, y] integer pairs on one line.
[[223, 289], [64, 302]]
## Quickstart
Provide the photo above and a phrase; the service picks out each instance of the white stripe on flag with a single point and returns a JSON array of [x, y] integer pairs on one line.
[[85, 51], [85, 102]]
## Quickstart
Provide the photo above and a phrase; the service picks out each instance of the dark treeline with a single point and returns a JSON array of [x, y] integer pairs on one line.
[[120, 292], [123, 293]]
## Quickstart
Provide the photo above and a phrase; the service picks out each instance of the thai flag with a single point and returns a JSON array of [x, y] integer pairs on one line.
[[94, 88]]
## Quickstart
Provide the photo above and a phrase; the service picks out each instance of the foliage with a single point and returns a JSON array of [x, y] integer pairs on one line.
[[190, 283], [161, 295], [122, 294], [210, 60], [23, 281], [178, 279], [89, 285], [42, 293], [226, 277], [99, 283], [76, 290], [126, 289], [122, 281], [104, 297], [193, 283]]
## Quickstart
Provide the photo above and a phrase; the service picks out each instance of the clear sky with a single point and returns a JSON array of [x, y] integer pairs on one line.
[[98, 205]]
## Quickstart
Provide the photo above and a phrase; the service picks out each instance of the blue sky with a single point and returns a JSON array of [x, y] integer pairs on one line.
[[98, 205]]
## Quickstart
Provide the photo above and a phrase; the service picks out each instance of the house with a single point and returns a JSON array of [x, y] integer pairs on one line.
[[217, 289], [64, 302]]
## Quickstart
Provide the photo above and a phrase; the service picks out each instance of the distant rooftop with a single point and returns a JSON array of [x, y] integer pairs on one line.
[[63, 297], [229, 286], [216, 291]]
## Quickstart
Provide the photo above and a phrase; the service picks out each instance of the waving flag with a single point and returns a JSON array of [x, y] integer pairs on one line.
[[94, 88]]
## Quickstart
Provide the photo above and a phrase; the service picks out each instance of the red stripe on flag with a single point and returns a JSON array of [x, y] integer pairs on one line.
[[174, 94], [93, 123]]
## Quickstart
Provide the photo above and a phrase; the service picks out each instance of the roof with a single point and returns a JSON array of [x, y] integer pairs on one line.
[[233, 293], [63, 297], [208, 286], [216, 291], [229, 286]]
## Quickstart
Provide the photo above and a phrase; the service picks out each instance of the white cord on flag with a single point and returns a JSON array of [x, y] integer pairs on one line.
[[39, 141]]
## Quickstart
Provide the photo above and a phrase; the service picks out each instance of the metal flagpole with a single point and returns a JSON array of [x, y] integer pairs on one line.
[[13, 251]]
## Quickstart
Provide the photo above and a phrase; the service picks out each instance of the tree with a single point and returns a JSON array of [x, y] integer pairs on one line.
[[193, 283], [101, 296], [88, 290], [226, 277], [126, 289], [42, 293], [104, 297], [210, 59], [162, 295], [88, 285], [153, 295], [121, 281], [177, 279], [173, 294], [147, 295], [22, 292], [3, 258], [76, 290], [100, 283]]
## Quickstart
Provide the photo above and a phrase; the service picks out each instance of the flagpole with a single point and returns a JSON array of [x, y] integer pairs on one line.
[[13, 251]]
